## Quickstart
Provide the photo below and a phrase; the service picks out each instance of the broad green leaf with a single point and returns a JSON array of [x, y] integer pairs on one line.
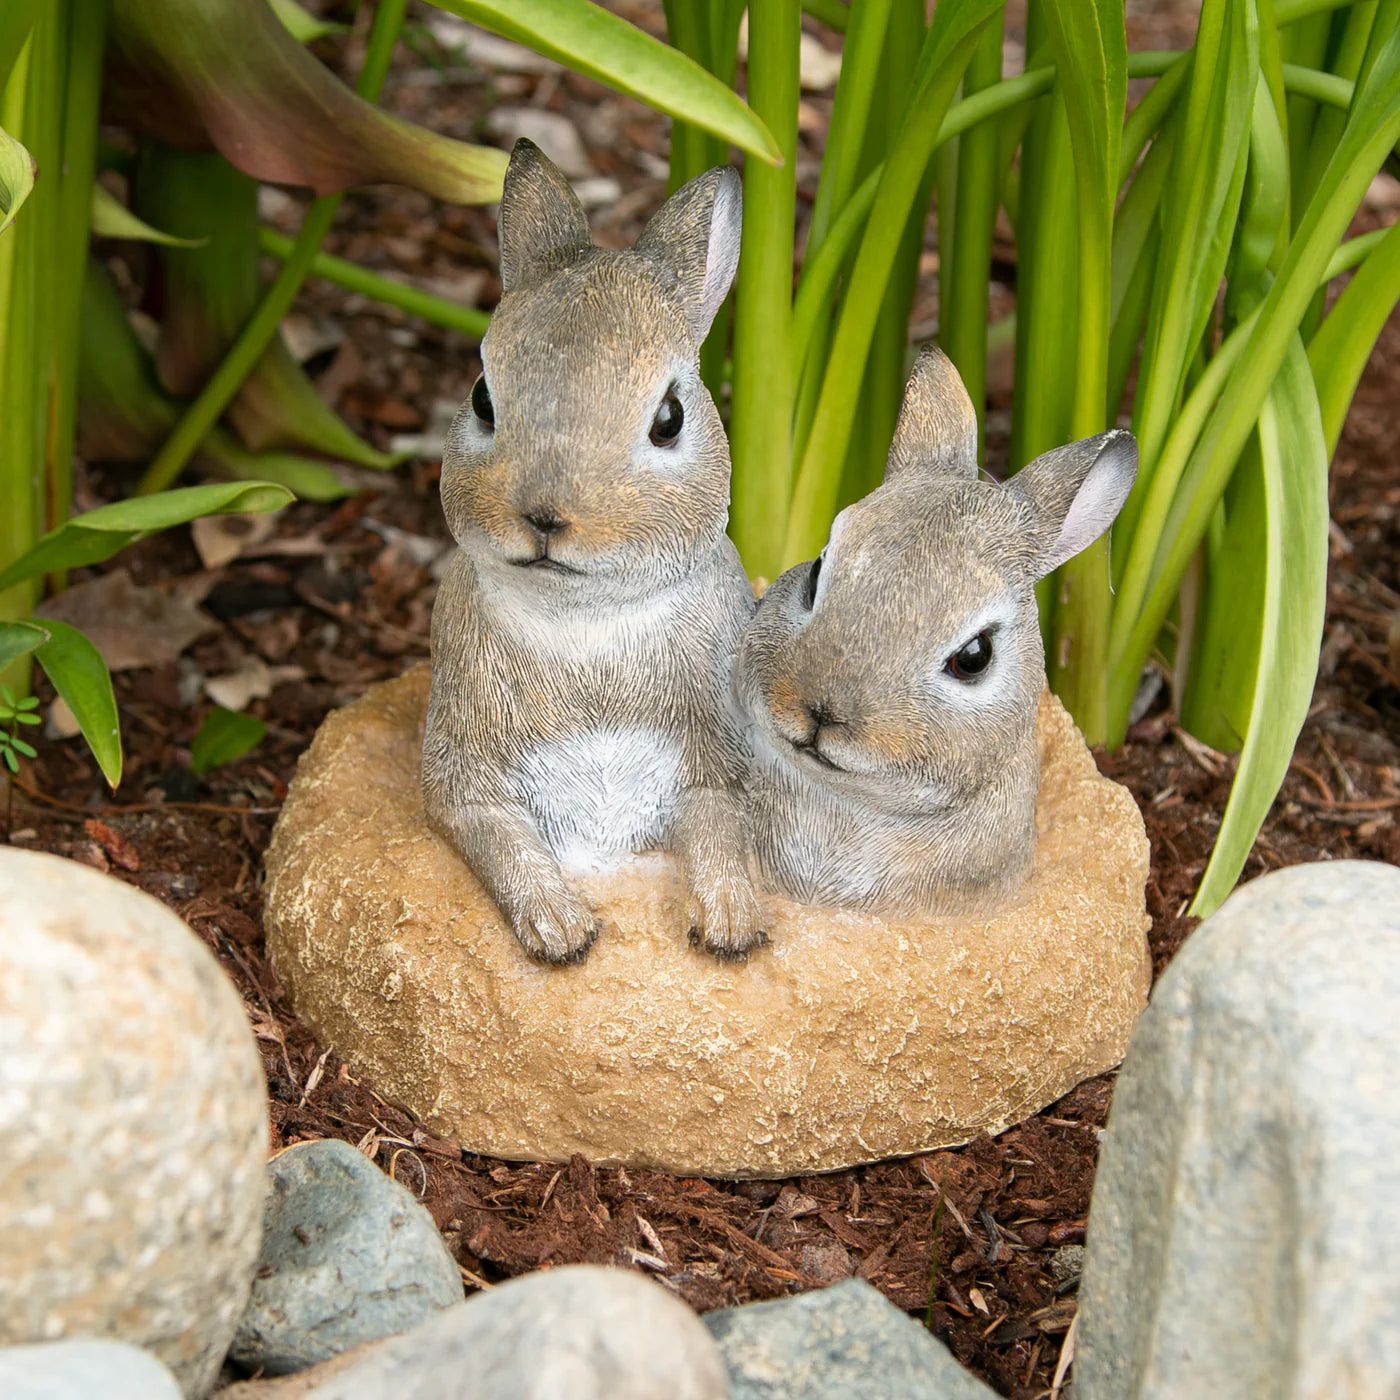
[[227, 73], [16, 178], [590, 40], [302, 25], [224, 736], [99, 534], [1293, 456], [19, 639], [81, 677], [112, 219]]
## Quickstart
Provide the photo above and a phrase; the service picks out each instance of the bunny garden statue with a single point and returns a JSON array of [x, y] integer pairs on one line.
[[582, 639], [893, 682]]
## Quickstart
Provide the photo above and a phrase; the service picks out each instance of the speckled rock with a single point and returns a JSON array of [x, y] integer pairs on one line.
[[348, 1256], [573, 1333], [847, 1040], [1242, 1228], [847, 1342], [83, 1370], [133, 1122]]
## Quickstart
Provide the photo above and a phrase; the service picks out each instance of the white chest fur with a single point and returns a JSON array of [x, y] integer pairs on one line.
[[601, 795]]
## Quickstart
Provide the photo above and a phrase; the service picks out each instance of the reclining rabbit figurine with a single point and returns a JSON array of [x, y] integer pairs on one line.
[[892, 684], [583, 636]]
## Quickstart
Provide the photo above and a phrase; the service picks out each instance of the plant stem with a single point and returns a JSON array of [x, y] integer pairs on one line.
[[427, 306], [255, 337], [962, 320], [760, 424]]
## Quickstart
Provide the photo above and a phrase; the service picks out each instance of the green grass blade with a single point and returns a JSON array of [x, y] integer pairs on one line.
[[437, 311], [1293, 455], [112, 219], [80, 676], [1178, 510], [1342, 345], [98, 534], [962, 320], [1199, 208], [589, 40], [1091, 57], [760, 419], [947, 50]]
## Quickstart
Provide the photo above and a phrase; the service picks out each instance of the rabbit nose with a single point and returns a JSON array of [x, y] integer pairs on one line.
[[821, 715], [543, 521]]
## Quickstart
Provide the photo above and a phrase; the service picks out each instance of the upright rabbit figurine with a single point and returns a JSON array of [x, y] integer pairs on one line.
[[893, 683], [582, 639]]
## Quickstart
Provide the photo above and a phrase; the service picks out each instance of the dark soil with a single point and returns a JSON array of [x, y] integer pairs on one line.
[[962, 1238]]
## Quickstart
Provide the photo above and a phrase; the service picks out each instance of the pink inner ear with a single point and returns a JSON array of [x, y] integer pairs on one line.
[[1095, 506], [722, 252]]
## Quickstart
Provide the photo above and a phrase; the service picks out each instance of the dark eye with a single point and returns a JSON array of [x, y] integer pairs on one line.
[[481, 402], [809, 589], [970, 661], [666, 426]]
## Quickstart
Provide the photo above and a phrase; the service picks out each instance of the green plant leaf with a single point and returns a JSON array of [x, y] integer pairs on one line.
[[227, 72], [1293, 456], [19, 639], [302, 25], [16, 20], [99, 534], [112, 219], [81, 677], [224, 736], [588, 39], [16, 178]]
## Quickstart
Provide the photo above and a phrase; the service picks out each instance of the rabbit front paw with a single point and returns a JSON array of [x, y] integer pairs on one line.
[[726, 920], [556, 926]]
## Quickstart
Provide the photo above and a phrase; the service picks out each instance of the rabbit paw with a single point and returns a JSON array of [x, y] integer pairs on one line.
[[556, 926], [727, 921]]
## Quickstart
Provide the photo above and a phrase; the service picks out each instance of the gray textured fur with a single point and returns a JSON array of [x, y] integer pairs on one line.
[[932, 806], [589, 712]]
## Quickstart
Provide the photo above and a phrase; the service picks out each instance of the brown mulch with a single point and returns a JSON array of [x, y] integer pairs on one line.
[[964, 1238]]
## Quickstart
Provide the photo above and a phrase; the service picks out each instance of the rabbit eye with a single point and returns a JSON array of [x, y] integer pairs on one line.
[[481, 402], [970, 661], [809, 589], [666, 426]]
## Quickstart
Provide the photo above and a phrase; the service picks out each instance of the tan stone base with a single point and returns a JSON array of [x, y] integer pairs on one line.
[[849, 1039]]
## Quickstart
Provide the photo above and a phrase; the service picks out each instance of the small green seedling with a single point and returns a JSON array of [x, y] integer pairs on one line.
[[224, 736], [14, 713]]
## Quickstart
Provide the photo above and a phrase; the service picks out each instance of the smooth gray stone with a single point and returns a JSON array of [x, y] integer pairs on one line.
[[846, 1342], [84, 1370], [573, 1333], [348, 1256], [1243, 1224]]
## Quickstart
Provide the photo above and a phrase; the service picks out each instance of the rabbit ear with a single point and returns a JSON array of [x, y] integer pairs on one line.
[[1076, 491], [937, 428], [539, 214], [695, 236]]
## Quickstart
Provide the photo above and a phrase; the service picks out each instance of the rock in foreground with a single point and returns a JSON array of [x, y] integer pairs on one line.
[[847, 1342], [1248, 1193], [133, 1122], [83, 1370], [575, 1333], [348, 1256], [847, 1040]]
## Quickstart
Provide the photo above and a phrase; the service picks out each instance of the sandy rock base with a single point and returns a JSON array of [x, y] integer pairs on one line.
[[849, 1039]]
